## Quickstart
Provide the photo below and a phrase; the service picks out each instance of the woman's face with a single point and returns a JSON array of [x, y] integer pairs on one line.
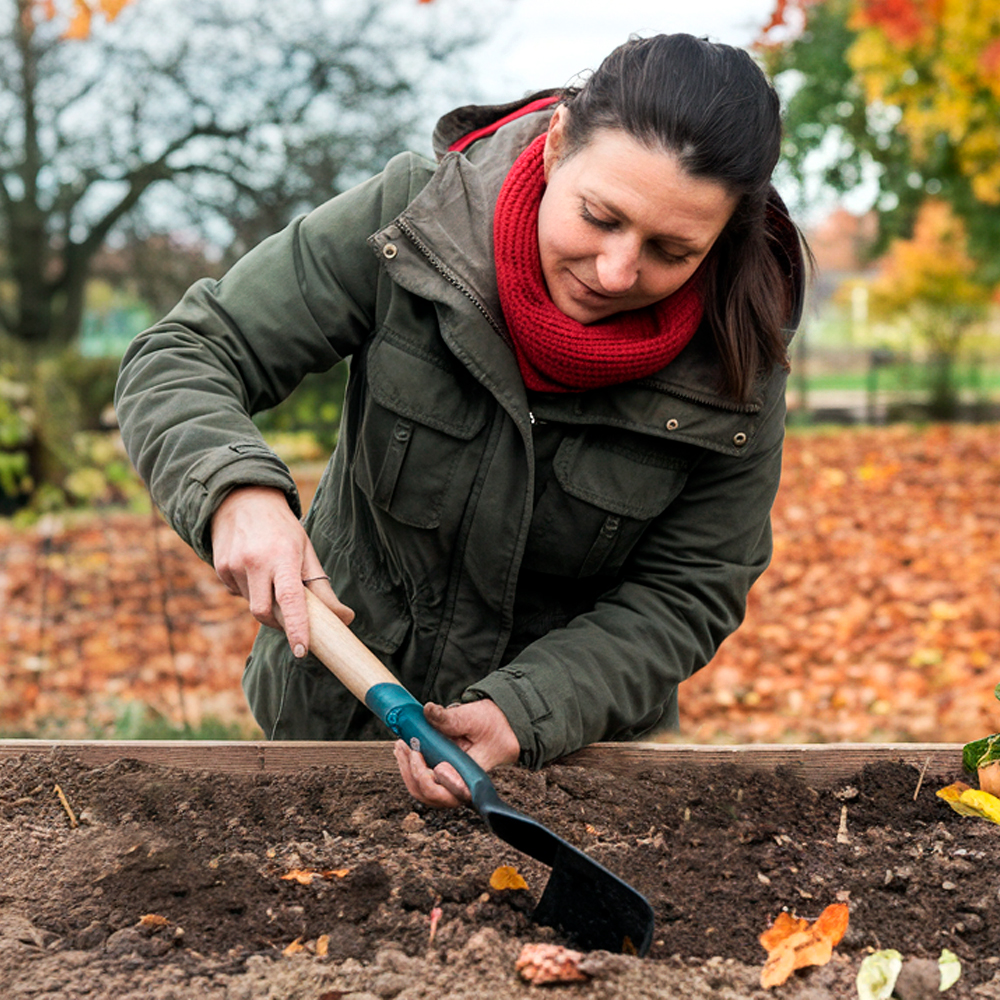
[[621, 225]]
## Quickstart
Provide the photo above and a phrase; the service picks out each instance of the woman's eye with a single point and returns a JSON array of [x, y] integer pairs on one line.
[[588, 216], [671, 258]]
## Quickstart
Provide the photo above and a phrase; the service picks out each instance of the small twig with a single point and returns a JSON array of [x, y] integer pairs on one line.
[[920, 780], [65, 804]]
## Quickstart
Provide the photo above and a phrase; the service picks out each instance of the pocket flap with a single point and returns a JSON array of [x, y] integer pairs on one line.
[[632, 482], [426, 388]]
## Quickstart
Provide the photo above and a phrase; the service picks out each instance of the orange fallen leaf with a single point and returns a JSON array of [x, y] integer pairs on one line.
[[550, 963], [153, 920], [305, 876], [782, 928], [323, 945], [793, 943], [506, 877], [295, 947]]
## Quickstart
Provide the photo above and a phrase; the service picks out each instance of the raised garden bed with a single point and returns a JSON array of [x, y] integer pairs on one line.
[[196, 837]]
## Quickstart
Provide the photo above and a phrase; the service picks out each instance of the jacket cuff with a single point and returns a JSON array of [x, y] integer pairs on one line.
[[215, 475], [524, 706]]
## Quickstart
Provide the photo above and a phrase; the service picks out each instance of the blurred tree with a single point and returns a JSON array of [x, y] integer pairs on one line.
[[929, 283], [131, 128], [229, 111], [902, 92]]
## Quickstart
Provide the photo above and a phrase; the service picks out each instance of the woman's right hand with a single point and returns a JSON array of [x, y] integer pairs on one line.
[[261, 550]]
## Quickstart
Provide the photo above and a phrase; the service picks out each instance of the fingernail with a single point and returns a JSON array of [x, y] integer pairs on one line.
[[299, 651]]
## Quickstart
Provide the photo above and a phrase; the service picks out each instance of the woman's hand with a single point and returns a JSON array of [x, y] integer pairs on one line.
[[477, 727], [261, 550]]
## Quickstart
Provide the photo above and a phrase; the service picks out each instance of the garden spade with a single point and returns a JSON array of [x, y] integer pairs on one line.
[[593, 907]]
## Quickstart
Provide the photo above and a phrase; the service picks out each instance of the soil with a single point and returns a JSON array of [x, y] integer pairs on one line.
[[719, 853]]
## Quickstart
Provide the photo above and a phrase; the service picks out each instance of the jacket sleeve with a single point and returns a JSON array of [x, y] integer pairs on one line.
[[613, 672], [298, 303]]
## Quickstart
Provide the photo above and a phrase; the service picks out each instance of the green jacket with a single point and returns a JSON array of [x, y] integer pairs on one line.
[[572, 556]]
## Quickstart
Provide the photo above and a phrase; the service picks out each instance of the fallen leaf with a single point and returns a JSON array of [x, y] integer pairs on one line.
[[878, 974], [971, 801], [782, 928], [305, 876], [295, 947], [153, 920], [951, 969], [323, 945], [550, 963], [793, 943], [506, 877]]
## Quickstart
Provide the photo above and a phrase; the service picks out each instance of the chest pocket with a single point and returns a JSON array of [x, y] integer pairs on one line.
[[601, 492], [421, 414]]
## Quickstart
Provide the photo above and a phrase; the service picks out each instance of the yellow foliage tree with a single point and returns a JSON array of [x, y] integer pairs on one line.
[[929, 282], [938, 62]]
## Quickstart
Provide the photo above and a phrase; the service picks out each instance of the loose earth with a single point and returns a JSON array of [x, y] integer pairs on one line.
[[172, 886]]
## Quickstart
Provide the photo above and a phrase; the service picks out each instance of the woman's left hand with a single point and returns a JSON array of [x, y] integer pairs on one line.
[[477, 727]]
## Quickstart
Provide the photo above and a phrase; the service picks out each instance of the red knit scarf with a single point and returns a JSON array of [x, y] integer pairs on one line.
[[559, 354]]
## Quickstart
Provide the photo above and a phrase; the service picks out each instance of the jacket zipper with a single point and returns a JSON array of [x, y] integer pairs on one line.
[[451, 278]]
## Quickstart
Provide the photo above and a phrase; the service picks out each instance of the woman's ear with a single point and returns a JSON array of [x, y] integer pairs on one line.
[[555, 140]]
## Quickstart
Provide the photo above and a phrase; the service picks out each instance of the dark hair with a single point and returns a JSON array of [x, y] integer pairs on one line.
[[712, 107]]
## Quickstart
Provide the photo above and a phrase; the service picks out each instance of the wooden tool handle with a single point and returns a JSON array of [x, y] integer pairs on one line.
[[340, 650]]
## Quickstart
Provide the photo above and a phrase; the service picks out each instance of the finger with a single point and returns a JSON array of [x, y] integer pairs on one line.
[[322, 589], [421, 781], [446, 776], [229, 581], [289, 593], [260, 597], [445, 720]]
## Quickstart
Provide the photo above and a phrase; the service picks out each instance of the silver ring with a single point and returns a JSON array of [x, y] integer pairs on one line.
[[313, 579]]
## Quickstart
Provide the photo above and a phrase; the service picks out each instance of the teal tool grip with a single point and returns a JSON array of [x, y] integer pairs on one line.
[[404, 715]]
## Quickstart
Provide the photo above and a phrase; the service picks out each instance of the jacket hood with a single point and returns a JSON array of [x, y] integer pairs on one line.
[[459, 123]]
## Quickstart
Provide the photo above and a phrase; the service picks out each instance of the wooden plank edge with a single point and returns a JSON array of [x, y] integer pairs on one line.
[[819, 763]]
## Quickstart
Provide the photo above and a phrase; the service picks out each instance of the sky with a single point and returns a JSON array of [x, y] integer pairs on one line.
[[544, 43]]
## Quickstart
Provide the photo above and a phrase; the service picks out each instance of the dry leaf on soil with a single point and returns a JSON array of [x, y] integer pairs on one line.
[[506, 877], [971, 801], [305, 876], [793, 943], [550, 963]]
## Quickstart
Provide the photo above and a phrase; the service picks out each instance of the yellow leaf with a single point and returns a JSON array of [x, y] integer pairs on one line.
[[112, 8], [294, 947], [323, 945], [300, 876], [153, 920], [971, 801], [305, 876], [952, 794], [506, 877], [792, 943], [79, 27], [983, 804]]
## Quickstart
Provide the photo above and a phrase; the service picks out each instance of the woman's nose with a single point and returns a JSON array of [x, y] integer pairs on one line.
[[617, 267]]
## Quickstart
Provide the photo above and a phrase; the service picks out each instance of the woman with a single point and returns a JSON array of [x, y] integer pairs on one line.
[[563, 425]]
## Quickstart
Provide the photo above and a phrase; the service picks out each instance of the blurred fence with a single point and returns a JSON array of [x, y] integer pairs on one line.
[[103, 613]]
